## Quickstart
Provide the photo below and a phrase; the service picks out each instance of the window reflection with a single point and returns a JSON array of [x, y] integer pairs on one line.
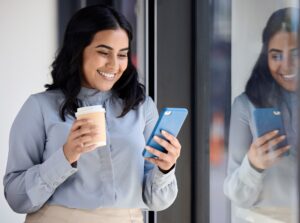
[[261, 181]]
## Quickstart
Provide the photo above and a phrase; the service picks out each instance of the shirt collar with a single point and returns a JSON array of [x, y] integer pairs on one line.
[[90, 96]]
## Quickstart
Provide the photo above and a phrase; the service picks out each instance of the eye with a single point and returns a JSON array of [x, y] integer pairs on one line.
[[103, 53], [277, 56], [123, 55], [294, 54]]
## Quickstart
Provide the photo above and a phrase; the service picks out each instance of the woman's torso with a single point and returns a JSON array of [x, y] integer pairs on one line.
[[109, 176]]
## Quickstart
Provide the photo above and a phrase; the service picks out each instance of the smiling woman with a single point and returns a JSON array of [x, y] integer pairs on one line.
[[283, 59], [60, 173], [260, 173], [105, 59]]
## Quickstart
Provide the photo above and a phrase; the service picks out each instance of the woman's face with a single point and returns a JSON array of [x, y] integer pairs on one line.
[[105, 59], [283, 59]]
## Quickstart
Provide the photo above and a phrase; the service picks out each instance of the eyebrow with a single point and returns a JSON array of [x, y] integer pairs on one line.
[[275, 50], [280, 51], [295, 49], [110, 48]]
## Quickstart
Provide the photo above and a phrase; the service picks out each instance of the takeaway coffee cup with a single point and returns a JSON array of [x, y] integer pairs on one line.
[[97, 114]]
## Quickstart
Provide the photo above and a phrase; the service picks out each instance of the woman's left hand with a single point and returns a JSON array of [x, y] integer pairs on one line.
[[165, 161]]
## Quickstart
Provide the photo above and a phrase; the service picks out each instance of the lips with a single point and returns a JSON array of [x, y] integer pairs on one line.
[[288, 77], [107, 76]]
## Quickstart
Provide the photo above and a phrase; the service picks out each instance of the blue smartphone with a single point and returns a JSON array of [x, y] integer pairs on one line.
[[170, 120], [267, 120]]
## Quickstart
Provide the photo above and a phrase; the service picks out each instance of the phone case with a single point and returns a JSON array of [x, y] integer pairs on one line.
[[267, 120], [170, 120]]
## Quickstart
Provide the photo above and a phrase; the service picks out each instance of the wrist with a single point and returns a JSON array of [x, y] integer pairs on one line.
[[72, 158], [166, 171], [254, 167]]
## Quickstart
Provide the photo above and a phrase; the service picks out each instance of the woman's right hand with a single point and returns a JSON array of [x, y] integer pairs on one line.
[[262, 155], [79, 139]]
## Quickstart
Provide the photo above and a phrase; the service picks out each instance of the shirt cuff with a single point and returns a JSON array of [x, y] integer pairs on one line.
[[161, 179], [55, 170], [249, 175]]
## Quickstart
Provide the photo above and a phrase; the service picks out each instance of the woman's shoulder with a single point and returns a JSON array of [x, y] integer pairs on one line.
[[241, 99], [148, 103], [148, 106], [47, 98], [242, 102], [47, 95]]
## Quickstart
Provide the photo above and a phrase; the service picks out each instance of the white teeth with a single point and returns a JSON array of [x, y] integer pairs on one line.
[[289, 76], [106, 75]]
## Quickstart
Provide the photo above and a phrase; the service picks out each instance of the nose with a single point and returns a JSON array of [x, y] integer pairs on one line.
[[288, 63], [112, 62]]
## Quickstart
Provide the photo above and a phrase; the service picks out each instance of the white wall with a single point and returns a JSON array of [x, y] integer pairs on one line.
[[28, 45], [248, 20]]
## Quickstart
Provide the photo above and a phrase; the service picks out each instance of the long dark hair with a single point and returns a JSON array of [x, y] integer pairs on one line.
[[261, 88], [67, 67]]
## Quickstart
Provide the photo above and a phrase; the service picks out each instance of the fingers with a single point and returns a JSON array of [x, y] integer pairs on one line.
[[157, 153], [273, 157], [279, 152], [266, 137], [155, 161], [82, 141], [266, 160], [87, 129], [171, 144], [86, 148], [165, 160], [172, 139], [78, 123], [271, 144]]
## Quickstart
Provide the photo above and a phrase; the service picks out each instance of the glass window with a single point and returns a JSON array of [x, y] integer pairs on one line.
[[253, 140]]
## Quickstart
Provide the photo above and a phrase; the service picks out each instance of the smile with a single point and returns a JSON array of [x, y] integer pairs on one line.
[[288, 76], [108, 76]]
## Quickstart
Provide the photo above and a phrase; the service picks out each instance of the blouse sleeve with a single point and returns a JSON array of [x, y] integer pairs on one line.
[[29, 181], [243, 183], [159, 189]]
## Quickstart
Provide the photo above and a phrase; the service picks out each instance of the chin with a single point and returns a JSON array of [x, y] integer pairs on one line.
[[290, 88], [104, 88]]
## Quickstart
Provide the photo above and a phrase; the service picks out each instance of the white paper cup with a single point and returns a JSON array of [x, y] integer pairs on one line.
[[96, 113]]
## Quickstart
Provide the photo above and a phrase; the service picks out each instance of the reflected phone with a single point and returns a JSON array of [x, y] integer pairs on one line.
[[170, 120], [267, 120]]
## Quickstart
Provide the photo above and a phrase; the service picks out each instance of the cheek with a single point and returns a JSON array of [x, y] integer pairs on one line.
[[86, 70], [273, 66], [123, 65], [90, 65]]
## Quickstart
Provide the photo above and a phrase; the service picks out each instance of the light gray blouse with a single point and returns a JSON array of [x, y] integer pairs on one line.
[[274, 187], [115, 175]]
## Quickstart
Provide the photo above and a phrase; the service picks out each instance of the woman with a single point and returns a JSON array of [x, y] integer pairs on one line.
[[54, 173], [259, 176]]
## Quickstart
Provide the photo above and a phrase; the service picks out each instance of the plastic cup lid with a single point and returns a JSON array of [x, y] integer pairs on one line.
[[89, 109]]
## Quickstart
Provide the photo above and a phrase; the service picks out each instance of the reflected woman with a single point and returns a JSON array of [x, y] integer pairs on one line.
[[259, 176]]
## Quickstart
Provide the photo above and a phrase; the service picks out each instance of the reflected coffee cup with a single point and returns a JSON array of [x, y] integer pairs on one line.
[[97, 114]]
